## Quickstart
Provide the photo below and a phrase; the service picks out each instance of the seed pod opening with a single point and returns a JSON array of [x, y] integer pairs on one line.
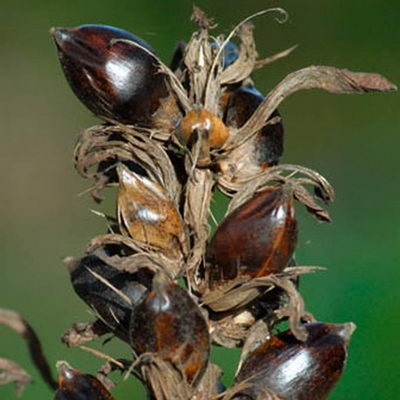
[[256, 239], [112, 72], [298, 370], [76, 385], [170, 324]]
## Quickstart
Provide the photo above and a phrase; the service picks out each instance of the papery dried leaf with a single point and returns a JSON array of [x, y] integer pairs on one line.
[[198, 59], [298, 178], [330, 79], [303, 195], [242, 68], [83, 332], [14, 321], [107, 146], [210, 385], [196, 213], [148, 215], [230, 331], [11, 372], [268, 60], [136, 256], [237, 294], [163, 379], [258, 334]]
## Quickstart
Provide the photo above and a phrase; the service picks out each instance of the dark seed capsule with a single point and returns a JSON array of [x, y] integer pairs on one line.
[[298, 370], [260, 152], [113, 72], [109, 292], [268, 143], [170, 324], [76, 385], [256, 239]]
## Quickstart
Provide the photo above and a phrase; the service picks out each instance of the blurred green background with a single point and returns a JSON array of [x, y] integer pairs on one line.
[[352, 140]]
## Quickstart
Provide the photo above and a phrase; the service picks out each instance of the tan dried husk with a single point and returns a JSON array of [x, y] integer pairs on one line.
[[234, 295], [165, 380]]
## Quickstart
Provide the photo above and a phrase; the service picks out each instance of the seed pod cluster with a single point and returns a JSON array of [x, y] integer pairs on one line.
[[158, 279]]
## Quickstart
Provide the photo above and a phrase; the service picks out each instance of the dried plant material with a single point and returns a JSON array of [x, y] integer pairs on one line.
[[330, 79], [242, 68], [11, 372], [230, 331], [15, 322], [163, 379], [83, 332], [258, 334], [196, 213], [308, 186], [229, 299], [209, 386], [134, 255], [106, 146], [269, 60], [147, 213], [235, 392]]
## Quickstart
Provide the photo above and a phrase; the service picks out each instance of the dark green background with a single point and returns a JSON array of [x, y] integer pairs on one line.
[[352, 140]]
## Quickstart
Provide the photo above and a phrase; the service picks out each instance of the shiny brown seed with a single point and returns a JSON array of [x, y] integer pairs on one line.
[[76, 385], [112, 72], [256, 239], [298, 370], [170, 324], [147, 213]]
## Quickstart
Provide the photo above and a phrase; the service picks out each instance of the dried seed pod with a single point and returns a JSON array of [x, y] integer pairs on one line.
[[109, 292], [147, 213], [170, 324], [112, 72], [76, 385], [297, 370], [256, 239]]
